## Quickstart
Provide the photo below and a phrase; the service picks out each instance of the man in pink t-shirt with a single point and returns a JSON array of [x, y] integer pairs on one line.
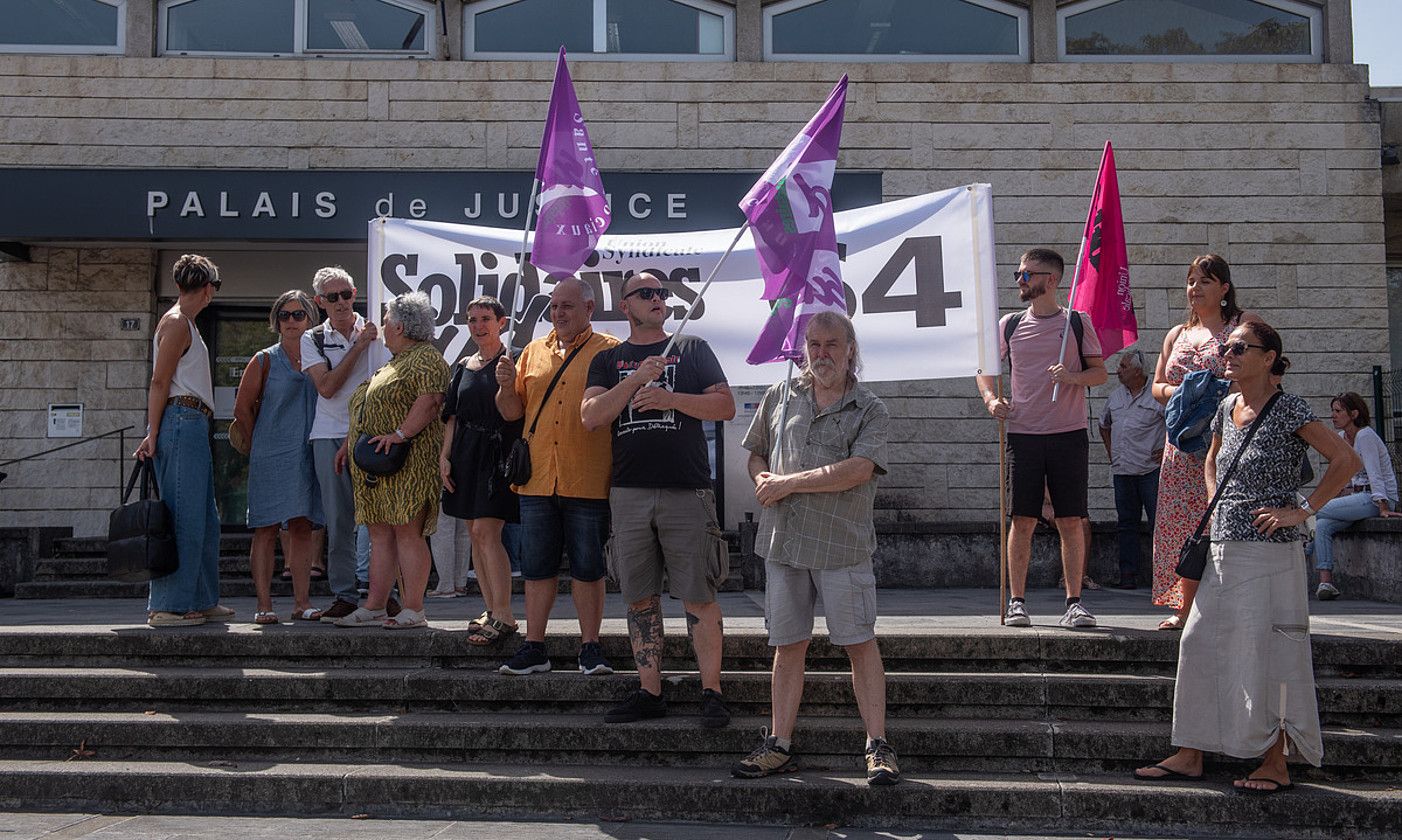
[[1048, 448]]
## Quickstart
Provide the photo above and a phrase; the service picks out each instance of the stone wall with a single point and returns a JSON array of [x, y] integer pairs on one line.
[[1273, 165]]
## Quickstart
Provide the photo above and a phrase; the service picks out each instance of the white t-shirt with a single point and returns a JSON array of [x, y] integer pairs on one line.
[[333, 413]]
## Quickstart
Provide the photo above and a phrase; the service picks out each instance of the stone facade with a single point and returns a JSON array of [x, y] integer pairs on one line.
[[1275, 166]]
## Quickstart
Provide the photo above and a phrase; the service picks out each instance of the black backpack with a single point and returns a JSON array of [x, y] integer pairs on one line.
[[1077, 327]]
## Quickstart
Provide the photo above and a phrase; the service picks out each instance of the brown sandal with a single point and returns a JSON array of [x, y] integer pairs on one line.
[[490, 632], [476, 624]]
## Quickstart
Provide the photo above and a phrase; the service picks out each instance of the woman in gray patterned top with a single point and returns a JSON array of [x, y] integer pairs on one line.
[[1245, 683]]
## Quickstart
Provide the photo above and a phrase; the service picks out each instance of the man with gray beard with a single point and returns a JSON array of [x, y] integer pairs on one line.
[[815, 474]]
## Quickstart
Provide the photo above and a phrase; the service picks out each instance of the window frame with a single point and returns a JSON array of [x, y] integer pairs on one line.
[[119, 48], [1022, 14], [725, 11], [1314, 14], [299, 35]]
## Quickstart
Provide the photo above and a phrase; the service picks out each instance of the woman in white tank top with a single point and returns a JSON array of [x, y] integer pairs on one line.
[[179, 411]]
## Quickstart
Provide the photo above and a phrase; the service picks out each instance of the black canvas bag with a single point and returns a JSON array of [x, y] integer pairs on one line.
[[141, 534], [516, 466]]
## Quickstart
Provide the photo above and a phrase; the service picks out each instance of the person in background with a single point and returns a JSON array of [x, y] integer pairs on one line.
[[179, 411], [282, 488], [1132, 428], [1371, 492], [451, 545]]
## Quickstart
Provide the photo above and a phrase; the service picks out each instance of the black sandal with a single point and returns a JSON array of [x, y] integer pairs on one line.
[[490, 632]]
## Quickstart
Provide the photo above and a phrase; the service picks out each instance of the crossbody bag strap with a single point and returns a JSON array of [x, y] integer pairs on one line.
[[551, 387], [1250, 433]]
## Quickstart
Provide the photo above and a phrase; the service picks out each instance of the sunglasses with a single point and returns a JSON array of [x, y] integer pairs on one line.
[[1238, 348], [1026, 276], [290, 315], [216, 283], [648, 293], [332, 297]]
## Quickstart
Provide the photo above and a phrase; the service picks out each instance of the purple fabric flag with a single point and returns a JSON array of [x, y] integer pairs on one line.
[[574, 210], [790, 213]]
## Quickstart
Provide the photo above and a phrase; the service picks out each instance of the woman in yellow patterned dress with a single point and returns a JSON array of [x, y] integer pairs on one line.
[[400, 405]]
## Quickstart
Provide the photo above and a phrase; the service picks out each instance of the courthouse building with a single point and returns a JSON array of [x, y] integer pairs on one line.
[[265, 133]]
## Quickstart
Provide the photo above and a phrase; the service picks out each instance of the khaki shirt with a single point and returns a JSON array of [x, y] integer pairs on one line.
[[565, 459], [820, 530]]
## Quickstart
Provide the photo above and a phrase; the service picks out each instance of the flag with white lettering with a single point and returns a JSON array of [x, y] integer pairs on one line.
[[574, 209], [1102, 291], [790, 213]]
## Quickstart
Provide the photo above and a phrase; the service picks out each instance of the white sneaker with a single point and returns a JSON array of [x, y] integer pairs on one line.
[[1077, 616], [1327, 592], [1017, 616]]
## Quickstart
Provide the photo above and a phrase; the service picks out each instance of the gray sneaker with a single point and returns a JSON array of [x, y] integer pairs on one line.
[[1327, 592], [1077, 616], [1017, 616]]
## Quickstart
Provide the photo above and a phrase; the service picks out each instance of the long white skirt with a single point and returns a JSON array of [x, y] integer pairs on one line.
[[1244, 668]]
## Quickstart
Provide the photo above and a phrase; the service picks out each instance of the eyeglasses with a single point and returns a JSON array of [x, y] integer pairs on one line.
[[648, 293], [216, 283], [332, 297], [1026, 276], [291, 315], [1238, 348]]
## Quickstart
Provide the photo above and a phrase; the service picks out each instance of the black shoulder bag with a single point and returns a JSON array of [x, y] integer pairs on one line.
[[1192, 559], [141, 534], [516, 467]]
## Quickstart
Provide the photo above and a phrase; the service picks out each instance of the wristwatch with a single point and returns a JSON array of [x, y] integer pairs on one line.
[[1305, 505]]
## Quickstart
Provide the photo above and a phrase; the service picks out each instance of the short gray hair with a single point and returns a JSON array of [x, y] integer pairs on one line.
[[586, 291], [331, 272], [414, 312], [1135, 359]]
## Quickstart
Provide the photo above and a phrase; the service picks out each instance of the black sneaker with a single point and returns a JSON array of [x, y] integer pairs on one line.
[[640, 705], [592, 661], [529, 659], [881, 763], [714, 714]]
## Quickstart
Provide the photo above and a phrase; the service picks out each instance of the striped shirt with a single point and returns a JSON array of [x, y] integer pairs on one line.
[[820, 530]]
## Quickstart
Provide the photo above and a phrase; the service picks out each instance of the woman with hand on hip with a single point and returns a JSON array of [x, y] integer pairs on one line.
[[179, 411], [282, 487], [1245, 683]]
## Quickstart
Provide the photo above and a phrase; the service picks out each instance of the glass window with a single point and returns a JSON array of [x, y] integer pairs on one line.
[[896, 29], [1126, 29], [88, 26], [678, 30], [363, 25], [230, 26]]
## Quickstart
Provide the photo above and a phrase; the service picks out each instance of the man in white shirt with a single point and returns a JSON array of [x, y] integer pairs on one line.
[[335, 354], [1132, 427]]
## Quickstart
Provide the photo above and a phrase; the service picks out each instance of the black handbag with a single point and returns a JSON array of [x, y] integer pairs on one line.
[[516, 466], [374, 462], [1192, 559], [141, 534]]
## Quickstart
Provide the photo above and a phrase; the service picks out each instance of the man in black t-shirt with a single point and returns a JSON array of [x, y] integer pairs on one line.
[[662, 504]]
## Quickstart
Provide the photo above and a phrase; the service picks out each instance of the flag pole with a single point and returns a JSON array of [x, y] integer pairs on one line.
[[1002, 513], [667, 351], [783, 422], [1070, 303], [520, 266]]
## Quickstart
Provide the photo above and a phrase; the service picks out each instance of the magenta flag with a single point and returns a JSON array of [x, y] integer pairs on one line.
[[790, 213], [573, 208], [1102, 291]]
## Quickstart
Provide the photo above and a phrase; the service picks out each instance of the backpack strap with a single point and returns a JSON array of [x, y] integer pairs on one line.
[[319, 341], [1078, 328]]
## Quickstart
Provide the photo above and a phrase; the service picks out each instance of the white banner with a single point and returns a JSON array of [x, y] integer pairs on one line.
[[919, 275]]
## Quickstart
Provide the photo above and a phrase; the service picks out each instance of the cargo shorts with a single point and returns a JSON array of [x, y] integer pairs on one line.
[[849, 603], [671, 531]]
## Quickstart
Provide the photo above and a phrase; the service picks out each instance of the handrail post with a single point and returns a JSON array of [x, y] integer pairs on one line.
[[121, 450], [1378, 413]]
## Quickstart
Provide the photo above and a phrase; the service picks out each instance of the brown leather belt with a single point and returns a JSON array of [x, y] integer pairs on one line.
[[192, 402]]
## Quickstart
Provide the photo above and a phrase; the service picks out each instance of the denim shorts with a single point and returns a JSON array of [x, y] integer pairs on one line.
[[555, 526]]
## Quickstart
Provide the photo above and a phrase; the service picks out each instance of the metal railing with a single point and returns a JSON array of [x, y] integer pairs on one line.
[[121, 454], [1387, 411]]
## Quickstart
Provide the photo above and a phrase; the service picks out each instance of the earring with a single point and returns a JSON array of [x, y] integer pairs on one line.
[[1223, 303]]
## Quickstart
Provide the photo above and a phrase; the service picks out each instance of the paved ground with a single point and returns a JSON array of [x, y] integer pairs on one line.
[[102, 827], [902, 611]]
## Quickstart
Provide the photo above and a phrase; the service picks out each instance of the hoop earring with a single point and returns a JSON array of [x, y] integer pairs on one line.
[[1222, 303]]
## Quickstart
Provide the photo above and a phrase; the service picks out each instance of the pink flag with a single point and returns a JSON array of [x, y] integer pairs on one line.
[[574, 210], [790, 213], [1102, 291]]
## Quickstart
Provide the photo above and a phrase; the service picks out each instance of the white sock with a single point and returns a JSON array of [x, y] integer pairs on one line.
[[783, 743]]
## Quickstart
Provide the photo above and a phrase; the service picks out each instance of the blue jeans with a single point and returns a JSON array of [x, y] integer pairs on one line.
[[1133, 494], [552, 524], [185, 476], [1335, 516], [511, 541]]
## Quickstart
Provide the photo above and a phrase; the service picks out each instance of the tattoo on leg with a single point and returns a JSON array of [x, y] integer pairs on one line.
[[691, 622], [645, 632]]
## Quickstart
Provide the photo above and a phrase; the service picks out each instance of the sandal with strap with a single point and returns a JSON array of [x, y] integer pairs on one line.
[[491, 632], [265, 617], [476, 624], [405, 619], [1173, 622]]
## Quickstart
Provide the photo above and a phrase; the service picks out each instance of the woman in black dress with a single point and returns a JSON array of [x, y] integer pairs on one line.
[[475, 440]]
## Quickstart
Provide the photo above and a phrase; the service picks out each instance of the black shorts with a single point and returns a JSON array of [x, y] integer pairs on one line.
[[1059, 463]]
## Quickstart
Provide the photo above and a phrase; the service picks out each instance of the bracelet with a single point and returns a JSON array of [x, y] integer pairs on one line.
[[1305, 506], [401, 434]]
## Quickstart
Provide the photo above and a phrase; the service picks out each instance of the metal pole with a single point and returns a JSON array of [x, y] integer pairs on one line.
[[1070, 303], [778, 447], [667, 351], [520, 267], [1002, 513], [1378, 402], [121, 458]]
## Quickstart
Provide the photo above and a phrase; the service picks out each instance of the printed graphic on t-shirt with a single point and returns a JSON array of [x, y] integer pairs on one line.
[[632, 420]]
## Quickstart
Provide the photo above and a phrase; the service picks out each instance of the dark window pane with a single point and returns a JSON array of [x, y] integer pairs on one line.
[[1187, 27], [536, 26], [78, 23], [247, 26], [896, 27], [363, 25], [661, 26]]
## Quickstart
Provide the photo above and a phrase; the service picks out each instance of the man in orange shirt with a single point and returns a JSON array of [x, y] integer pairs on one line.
[[565, 504]]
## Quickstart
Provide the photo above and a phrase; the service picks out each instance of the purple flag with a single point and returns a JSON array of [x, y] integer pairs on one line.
[[790, 213], [574, 210]]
